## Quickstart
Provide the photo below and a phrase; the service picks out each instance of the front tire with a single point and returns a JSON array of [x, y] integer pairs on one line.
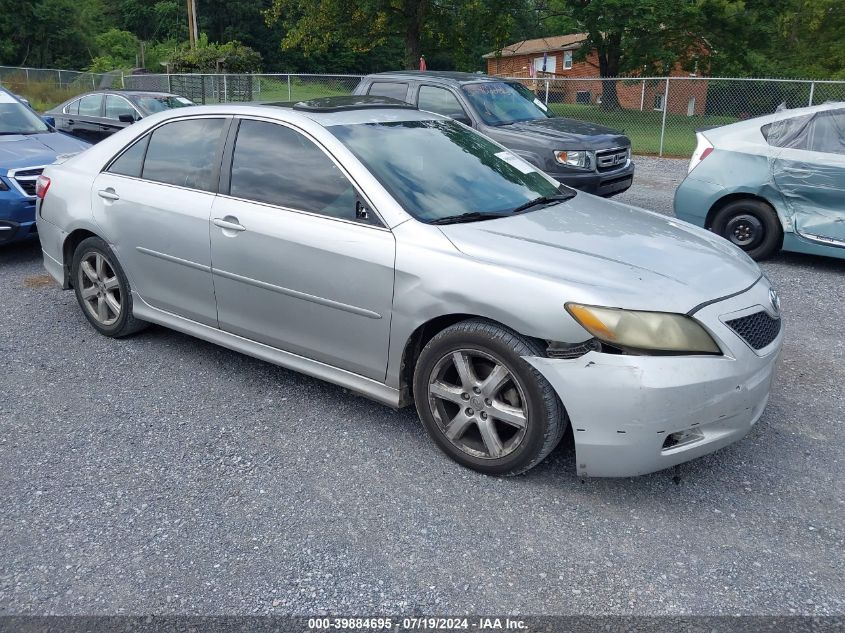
[[484, 406], [750, 224], [102, 289]]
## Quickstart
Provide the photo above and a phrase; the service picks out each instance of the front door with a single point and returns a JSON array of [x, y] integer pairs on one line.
[[154, 202], [809, 171], [296, 264]]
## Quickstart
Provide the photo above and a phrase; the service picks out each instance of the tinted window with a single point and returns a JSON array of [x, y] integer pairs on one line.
[[277, 165], [90, 105], [129, 163], [115, 106], [386, 89], [827, 133], [440, 101], [498, 103], [184, 153], [440, 168], [72, 108]]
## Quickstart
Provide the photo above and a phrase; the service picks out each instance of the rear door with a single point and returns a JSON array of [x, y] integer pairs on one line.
[[809, 171], [297, 265], [153, 202]]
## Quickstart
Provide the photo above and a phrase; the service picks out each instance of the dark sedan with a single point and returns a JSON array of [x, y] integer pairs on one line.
[[96, 115]]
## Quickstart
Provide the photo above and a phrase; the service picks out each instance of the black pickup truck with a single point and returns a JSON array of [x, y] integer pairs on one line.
[[581, 154]]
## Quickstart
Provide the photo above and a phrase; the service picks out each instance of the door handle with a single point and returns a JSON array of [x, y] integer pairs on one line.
[[229, 224], [108, 194], [71, 121]]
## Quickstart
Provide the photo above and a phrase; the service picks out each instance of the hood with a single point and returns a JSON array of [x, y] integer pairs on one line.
[[612, 254], [31, 150], [562, 133]]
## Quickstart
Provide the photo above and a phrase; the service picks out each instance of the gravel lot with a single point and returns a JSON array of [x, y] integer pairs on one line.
[[161, 474]]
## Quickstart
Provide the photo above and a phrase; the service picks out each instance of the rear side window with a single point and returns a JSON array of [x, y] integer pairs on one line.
[[279, 166], [129, 163], [823, 132], [389, 89], [185, 153], [90, 105], [72, 107], [440, 101]]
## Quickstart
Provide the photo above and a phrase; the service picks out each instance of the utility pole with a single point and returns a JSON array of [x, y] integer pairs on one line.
[[193, 33]]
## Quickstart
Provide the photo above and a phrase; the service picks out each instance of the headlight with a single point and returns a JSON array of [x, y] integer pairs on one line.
[[573, 159], [660, 331]]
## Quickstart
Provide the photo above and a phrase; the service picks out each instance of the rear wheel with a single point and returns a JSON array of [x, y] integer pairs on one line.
[[102, 289], [485, 406], [750, 224]]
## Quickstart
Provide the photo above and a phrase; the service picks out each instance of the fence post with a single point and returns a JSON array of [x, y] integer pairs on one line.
[[122, 80], [642, 97], [547, 92], [812, 90], [663, 124], [225, 91], [27, 76], [93, 83], [290, 98], [169, 82]]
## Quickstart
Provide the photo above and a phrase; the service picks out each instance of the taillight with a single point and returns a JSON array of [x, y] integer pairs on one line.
[[702, 151], [41, 186]]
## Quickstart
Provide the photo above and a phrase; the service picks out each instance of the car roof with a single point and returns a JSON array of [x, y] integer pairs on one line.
[[436, 76]]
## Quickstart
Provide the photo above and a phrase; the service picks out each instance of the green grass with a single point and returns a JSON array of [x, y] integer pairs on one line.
[[643, 128], [42, 95]]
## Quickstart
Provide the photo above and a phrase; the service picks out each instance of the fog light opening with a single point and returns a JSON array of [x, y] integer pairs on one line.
[[682, 438]]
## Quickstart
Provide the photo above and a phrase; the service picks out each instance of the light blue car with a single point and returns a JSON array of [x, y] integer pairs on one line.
[[773, 182]]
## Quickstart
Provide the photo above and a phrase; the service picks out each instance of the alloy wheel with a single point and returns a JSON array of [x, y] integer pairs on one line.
[[478, 403], [99, 288]]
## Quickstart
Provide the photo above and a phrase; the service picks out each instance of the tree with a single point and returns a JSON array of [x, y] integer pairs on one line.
[[634, 36]]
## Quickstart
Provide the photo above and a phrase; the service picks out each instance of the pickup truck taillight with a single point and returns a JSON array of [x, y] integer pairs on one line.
[[702, 151], [41, 186]]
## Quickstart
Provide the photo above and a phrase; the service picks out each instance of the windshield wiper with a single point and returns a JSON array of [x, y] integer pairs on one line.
[[536, 202], [472, 216]]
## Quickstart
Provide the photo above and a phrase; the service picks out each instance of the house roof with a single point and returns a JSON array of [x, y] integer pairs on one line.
[[540, 45]]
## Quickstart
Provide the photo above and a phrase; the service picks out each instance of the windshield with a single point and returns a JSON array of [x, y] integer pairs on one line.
[[501, 103], [441, 169], [16, 118], [158, 104]]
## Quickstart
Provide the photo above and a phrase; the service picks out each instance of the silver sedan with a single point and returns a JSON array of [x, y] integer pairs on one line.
[[406, 257]]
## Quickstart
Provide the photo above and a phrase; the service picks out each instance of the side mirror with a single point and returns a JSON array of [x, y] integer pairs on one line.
[[126, 118], [51, 121]]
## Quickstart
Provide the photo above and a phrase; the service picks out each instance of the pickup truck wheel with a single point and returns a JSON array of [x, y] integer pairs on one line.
[[102, 289], [482, 403], [750, 224]]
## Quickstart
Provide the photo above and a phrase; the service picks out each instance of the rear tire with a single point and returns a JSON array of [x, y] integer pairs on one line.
[[750, 224], [484, 406], [102, 289]]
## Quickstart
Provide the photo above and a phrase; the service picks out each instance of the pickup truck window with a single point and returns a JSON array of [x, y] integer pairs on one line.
[[396, 90], [440, 101]]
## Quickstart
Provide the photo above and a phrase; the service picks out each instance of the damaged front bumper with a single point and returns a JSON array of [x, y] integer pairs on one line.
[[633, 415]]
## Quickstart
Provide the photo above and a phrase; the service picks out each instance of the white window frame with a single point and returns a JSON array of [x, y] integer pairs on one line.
[[551, 64], [567, 60], [659, 103]]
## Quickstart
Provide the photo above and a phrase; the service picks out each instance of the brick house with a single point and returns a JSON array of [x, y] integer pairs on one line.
[[518, 60]]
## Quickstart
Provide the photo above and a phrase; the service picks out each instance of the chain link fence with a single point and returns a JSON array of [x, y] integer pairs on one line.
[[226, 88], [659, 114]]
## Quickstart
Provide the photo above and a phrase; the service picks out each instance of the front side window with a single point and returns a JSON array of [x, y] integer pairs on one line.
[[184, 153], [72, 107], [499, 103], [115, 106], [389, 89], [91, 105], [440, 101], [450, 171], [277, 165]]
